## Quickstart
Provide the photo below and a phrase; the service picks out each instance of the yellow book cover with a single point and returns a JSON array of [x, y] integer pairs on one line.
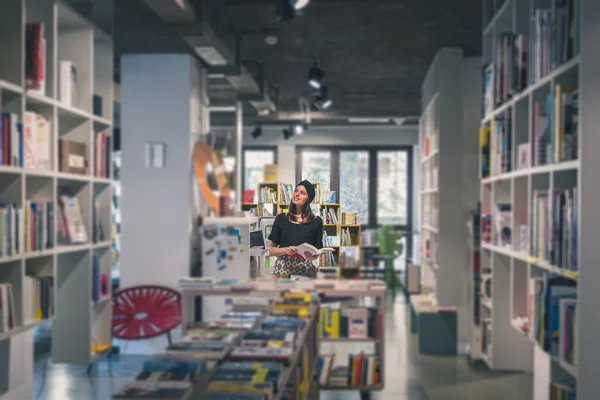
[[559, 131], [271, 173], [492, 149], [335, 324]]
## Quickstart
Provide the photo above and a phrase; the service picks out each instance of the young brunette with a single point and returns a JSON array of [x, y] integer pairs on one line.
[[296, 227]]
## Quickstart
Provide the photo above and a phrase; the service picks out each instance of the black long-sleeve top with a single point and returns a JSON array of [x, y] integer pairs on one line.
[[285, 233]]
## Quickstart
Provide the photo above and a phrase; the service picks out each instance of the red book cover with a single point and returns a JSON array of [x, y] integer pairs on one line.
[[248, 196]]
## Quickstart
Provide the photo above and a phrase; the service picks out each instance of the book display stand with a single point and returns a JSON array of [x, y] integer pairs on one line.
[[276, 304], [56, 96]]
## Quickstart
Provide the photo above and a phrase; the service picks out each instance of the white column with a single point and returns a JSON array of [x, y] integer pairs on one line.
[[162, 101]]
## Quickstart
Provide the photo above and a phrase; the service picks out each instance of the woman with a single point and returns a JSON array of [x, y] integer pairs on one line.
[[296, 227]]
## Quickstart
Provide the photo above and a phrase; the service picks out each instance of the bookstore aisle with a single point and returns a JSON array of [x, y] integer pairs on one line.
[[409, 376]]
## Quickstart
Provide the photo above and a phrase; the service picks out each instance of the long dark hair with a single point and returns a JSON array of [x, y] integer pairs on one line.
[[305, 212]]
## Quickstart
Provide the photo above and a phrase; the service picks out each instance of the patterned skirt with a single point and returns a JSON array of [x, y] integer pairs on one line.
[[287, 266]]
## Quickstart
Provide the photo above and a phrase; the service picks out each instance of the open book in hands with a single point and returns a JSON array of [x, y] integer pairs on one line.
[[305, 247]]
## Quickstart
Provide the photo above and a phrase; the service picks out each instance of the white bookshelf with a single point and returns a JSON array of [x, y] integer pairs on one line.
[[513, 261], [448, 186], [77, 321]]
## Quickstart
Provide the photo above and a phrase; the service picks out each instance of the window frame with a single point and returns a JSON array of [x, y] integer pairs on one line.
[[273, 149], [373, 179]]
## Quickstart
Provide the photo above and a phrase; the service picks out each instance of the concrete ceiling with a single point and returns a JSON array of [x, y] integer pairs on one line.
[[375, 53]]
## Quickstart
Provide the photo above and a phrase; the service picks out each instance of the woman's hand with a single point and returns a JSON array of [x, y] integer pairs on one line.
[[290, 250], [309, 256]]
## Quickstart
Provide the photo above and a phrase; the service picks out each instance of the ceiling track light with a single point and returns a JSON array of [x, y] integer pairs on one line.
[[315, 75], [288, 9], [288, 133], [322, 100], [256, 132], [300, 4]]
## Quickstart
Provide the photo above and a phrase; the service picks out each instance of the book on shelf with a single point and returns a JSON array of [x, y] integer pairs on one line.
[[349, 256], [200, 350], [286, 192], [35, 58], [99, 280], [7, 308], [556, 36], [553, 315], [70, 226], [248, 196], [172, 383], [37, 134], [329, 197], [102, 151], [97, 228], [11, 140], [68, 83], [38, 295], [279, 336], [196, 335], [271, 173], [556, 127], [309, 248], [247, 372], [352, 323], [38, 226], [510, 71], [220, 390], [72, 156], [283, 323], [262, 353], [554, 223], [173, 363], [361, 370], [350, 218], [562, 391]]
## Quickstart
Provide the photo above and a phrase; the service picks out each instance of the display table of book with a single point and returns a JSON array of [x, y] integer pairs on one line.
[[266, 346]]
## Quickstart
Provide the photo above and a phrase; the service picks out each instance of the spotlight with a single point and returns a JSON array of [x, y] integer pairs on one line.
[[256, 132], [322, 101], [286, 9], [287, 133], [300, 4], [315, 75], [299, 129]]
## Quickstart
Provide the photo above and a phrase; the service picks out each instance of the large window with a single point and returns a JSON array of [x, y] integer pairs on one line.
[[254, 164], [392, 184], [375, 182], [354, 183], [316, 167]]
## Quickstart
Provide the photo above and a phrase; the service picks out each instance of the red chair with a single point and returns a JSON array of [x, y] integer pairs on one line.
[[144, 312]]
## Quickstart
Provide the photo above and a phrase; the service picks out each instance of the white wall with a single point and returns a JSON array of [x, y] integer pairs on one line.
[[156, 203], [329, 136]]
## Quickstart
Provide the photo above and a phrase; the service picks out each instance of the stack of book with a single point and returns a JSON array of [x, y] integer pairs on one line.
[[165, 376]]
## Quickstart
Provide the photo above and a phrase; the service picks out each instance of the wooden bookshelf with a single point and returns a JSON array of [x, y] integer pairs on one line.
[[448, 183], [533, 184], [68, 36]]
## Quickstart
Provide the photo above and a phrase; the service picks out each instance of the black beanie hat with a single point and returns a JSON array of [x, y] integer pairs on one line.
[[310, 189]]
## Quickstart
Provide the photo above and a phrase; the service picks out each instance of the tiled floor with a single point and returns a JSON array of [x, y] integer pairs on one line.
[[409, 376]]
